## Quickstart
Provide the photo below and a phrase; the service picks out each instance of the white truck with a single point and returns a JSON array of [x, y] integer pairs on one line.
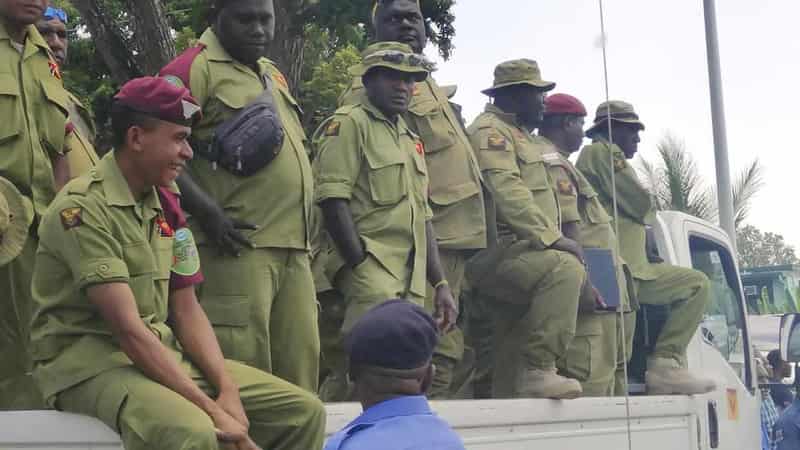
[[727, 418]]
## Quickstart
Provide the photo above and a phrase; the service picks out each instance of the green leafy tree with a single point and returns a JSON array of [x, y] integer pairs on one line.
[[675, 183], [757, 248]]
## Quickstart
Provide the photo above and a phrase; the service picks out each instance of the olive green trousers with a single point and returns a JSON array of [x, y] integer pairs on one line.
[[17, 388], [150, 416], [263, 308], [592, 355]]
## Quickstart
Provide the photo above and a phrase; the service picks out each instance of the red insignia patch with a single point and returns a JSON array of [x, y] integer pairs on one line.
[[54, 70], [163, 228], [280, 79], [420, 148]]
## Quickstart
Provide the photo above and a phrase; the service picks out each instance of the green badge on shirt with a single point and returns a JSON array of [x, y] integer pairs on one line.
[[186, 260]]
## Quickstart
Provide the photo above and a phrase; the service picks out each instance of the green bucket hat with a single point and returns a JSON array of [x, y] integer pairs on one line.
[[619, 111], [16, 216], [395, 56], [518, 71]]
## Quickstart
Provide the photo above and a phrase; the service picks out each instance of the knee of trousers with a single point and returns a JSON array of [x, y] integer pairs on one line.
[[177, 435], [306, 411]]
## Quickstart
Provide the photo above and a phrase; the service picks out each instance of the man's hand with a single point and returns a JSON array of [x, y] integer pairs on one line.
[[223, 231], [445, 312], [598, 298], [232, 434], [231, 403], [569, 246]]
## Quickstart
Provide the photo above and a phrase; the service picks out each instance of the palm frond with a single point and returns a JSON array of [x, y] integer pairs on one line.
[[745, 188]]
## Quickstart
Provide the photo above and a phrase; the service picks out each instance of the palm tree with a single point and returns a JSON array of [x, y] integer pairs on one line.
[[676, 184]]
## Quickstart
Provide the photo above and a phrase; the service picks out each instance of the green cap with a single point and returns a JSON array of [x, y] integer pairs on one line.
[[396, 56], [518, 71], [618, 111], [16, 216]]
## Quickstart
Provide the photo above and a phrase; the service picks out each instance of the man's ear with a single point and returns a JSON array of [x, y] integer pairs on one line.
[[134, 138]]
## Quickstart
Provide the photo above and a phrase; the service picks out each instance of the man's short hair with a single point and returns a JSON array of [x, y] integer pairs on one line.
[[123, 118], [383, 3], [774, 358]]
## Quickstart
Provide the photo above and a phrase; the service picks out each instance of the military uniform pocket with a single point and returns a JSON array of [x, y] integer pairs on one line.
[[142, 269], [9, 108], [230, 317], [595, 212], [580, 358], [54, 133], [533, 170], [432, 126]]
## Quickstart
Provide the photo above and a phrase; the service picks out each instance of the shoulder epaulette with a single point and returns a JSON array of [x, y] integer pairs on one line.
[[346, 109], [181, 67], [81, 184]]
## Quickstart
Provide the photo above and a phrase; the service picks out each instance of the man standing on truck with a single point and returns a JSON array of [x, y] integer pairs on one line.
[[590, 358], [534, 275], [685, 291], [372, 188], [389, 352], [456, 195], [251, 213], [82, 155], [33, 133], [118, 333]]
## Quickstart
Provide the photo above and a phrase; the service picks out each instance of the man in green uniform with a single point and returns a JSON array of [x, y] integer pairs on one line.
[[81, 155], [591, 356], [33, 108], [372, 187], [687, 293], [258, 294], [111, 271], [534, 276], [456, 195]]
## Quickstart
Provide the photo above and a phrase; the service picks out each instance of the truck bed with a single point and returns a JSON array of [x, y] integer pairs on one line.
[[659, 423]]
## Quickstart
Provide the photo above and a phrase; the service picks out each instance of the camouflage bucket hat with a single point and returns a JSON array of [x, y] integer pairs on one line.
[[518, 71], [16, 216], [618, 111], [395, 56]]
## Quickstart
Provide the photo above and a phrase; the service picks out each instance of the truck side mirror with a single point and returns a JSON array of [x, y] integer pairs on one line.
[[790, 337]]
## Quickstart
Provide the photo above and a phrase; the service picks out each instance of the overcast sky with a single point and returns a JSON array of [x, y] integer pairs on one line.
[[657, 61]]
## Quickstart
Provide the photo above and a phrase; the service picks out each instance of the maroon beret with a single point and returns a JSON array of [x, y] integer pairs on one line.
[[563, 104], [158, 97]]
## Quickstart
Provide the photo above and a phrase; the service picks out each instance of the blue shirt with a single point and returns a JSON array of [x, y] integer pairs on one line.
[[787, 428], [403, 423]]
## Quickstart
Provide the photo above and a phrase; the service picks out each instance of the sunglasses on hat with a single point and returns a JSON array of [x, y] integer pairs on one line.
[[55, 13]]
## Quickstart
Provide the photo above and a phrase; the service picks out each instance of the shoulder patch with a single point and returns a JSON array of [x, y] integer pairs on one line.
[[186, 260], [71, 217], [619, 164], [333, 128], [496, 142], [565, 187]]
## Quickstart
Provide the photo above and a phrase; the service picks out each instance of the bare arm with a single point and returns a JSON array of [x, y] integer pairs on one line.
[[342, 229], [445, 311]]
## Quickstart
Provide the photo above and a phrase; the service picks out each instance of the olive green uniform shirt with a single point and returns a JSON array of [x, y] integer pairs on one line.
[[511, 162], [580, 203], [96, 233], [599, 162], [379, 166], [456, 196], [33, 108], [277, 198], [80, 143]]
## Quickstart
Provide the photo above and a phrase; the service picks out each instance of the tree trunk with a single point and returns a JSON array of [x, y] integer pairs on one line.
[[151, 33], [287, 47], [108, 39]]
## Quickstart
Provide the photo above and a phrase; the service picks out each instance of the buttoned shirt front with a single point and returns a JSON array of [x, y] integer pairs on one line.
[[34, 112], [403, 423], [379, 166], [511, 162], [94, 233]]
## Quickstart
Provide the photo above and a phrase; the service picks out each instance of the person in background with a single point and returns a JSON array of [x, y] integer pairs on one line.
[[389, 352], [769, 413], [82, 154], [779, 369], [33, 143]]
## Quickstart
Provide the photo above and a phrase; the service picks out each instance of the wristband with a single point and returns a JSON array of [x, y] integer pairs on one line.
[[440, 284]]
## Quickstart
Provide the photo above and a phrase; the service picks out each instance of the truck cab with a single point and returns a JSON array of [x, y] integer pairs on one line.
[[727, 418]]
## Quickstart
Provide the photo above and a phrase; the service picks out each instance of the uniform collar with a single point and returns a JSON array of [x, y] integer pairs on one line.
[[410, 405], [116, 189], [33, 37], [216, 52], [376, 113], [508, 118]]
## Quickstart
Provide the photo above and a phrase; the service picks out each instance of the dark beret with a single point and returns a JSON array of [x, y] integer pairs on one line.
[[563, 104], [396, 334], [158, 97]]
